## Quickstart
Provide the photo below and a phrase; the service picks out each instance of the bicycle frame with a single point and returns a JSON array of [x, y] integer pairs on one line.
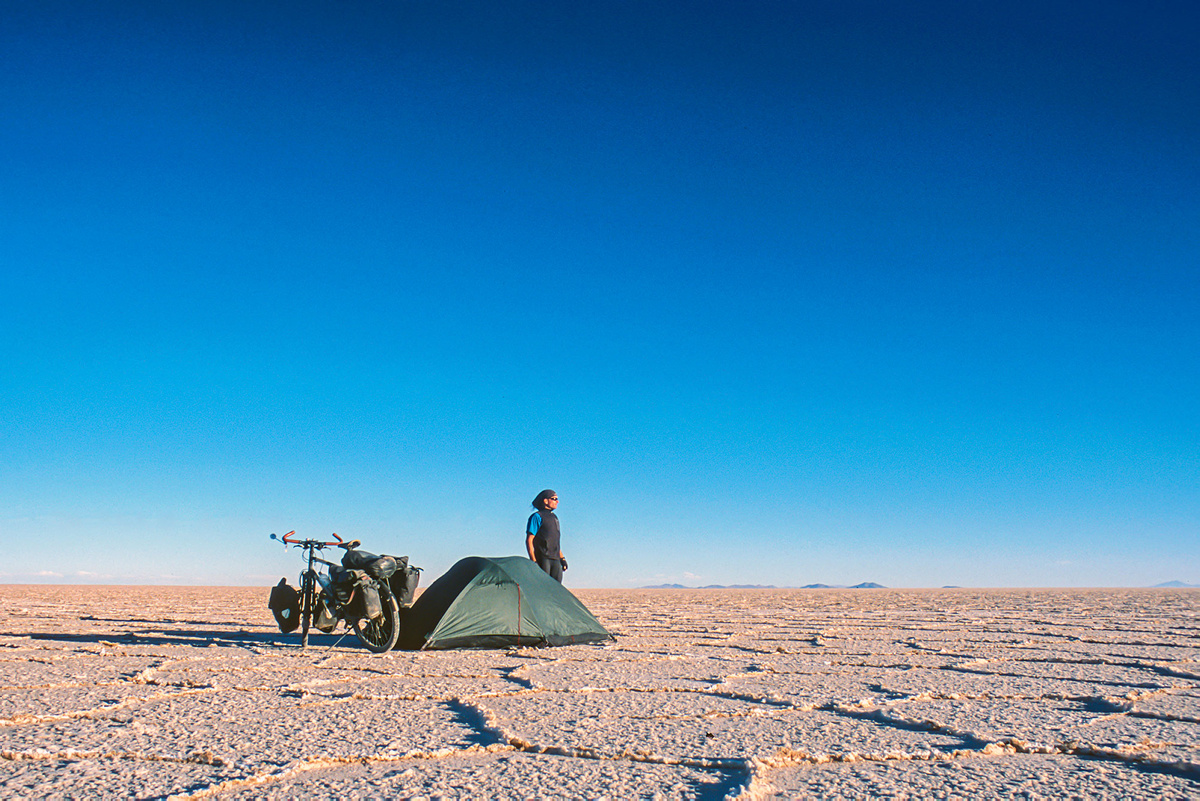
[[308, 579]]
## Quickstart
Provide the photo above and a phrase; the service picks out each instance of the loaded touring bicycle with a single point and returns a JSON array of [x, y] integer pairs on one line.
[[366, 590]]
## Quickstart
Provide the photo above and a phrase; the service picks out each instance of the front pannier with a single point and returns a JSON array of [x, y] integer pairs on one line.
[[324, 618], [285, 606]]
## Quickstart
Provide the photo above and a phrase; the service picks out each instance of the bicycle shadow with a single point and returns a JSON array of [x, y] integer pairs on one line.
[[201, 638]]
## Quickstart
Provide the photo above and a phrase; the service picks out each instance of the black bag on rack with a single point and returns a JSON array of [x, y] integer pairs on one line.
[[403, 583]]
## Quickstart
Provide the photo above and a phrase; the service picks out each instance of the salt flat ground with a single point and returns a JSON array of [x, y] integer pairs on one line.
[[171, 691]]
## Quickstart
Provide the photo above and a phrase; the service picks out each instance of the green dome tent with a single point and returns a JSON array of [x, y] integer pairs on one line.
[[483, 602]]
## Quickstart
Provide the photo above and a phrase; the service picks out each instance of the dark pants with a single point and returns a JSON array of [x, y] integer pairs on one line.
[[552, 566]]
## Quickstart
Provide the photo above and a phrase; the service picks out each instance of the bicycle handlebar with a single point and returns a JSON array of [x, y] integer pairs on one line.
[[287, 540]]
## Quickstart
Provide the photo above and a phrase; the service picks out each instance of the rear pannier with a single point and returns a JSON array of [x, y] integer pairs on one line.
[[403, 583]]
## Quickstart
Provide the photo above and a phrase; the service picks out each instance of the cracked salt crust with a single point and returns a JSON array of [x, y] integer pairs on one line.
[[836, 684], [1124, 731], [190, 692], [981, 684], [1043, 722], [651, 673], [499, 775], [570, 710], [108, 776], [1179, 705], [728, 738], [34, 704], [261, 726], [42, 667], [1021, 776]]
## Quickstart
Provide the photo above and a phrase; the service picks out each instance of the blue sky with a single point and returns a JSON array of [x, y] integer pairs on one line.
[[769, 292]]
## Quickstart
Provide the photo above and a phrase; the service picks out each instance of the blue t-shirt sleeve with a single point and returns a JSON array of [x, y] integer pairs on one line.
[[535, 523]]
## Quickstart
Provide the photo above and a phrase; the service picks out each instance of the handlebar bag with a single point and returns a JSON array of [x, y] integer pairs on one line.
[[285, 606]]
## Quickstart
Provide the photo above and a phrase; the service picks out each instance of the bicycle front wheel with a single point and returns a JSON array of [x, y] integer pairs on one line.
[[380, 635], [308, 599]]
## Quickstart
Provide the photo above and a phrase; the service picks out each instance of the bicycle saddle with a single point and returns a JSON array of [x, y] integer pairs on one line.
[[380, 567]]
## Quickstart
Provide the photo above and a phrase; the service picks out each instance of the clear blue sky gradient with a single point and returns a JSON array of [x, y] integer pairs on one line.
[[770, 292]]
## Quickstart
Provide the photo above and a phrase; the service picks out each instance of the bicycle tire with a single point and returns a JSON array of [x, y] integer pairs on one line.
[[307, 597], [380, 635]]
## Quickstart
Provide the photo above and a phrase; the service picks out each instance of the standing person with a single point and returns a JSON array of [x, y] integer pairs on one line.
[[542, 535]]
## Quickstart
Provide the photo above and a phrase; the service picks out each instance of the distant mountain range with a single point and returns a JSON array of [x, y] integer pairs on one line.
[[866, 585], [712, 587], [739, 587]]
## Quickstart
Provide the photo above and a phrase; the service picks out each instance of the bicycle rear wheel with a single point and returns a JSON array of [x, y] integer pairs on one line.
[[380, 635]]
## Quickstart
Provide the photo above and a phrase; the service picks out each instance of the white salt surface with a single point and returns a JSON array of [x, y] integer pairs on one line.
[[156, 692]]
